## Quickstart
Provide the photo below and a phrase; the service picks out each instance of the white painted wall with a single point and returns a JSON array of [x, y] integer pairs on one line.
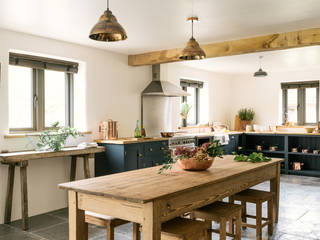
[[218, 87], [264, 94], [112, 91]]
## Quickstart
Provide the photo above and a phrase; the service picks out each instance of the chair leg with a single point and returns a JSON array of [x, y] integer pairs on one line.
[[208, 233], [270, 217], [136, 232], [231, 225], [259, 220], [244, 212], [223, 232], [110, 232], [238, 226]]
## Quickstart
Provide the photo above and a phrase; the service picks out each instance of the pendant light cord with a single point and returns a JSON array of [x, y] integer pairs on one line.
[[192, 28], [108, 4]]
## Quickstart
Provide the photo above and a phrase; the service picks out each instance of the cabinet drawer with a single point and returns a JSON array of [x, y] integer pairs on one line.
[[152, 148]]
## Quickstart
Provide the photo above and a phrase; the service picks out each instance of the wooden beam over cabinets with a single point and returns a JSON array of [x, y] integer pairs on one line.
[[271, 42]]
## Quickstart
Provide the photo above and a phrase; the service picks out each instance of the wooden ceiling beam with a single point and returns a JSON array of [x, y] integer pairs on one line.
[[271, 42]]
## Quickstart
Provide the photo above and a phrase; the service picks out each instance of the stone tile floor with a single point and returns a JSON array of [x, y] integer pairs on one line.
[[299, 217]]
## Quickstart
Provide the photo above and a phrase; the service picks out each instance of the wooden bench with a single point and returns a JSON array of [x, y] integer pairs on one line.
[[222, 212], [257, 197], [21, 159]]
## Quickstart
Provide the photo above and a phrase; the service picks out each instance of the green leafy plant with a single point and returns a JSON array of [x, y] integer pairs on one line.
[[209, 149], [185, 109], [253, 157], [246, 114], [55, 137]]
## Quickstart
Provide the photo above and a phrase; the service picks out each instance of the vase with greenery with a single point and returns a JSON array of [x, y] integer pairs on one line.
[[246, 116], [185, 109], [197, 159], [55, 137]]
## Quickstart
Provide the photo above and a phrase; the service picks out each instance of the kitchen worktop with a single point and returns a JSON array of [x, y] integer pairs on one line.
[[130, 140], [283, 133]]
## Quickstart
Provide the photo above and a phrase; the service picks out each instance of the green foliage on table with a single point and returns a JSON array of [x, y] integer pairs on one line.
[[246, 114], [55, 137], [253, 157], [215, 149]]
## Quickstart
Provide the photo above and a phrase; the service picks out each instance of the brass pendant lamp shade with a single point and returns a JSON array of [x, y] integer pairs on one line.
[[108, 29], [192, 51]]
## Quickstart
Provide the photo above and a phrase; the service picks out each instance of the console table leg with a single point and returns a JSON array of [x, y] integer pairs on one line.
[[24, 195], [73, 168], [10, 183], [86, 166]]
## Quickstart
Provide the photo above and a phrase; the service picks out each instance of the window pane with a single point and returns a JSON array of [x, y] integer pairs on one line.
[[20, 97], [54, 97], [293, 105], [191, 101], [311, 105]]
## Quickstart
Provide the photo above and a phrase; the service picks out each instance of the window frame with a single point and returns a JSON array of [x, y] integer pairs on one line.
[[38, 101], [301, 92], [196, 85]]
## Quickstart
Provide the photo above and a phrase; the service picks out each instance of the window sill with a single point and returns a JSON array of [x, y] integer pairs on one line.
[[31, 134]]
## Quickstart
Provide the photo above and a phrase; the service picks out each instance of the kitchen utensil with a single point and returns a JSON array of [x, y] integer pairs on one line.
[[294, 149], [259, 148], [113, 129], [273, 148], [315, 151], [305, 150], [249, 128], [297, 166], [103, 126], [167, 134]]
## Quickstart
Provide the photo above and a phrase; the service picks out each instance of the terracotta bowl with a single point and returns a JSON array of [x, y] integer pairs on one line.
[[193, 165]]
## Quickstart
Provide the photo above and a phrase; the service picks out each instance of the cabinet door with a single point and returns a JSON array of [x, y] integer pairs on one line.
[[156, 152], [131, 154]]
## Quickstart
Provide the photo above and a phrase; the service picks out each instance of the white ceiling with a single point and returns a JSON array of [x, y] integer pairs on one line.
[[158, 24], [297, 59]]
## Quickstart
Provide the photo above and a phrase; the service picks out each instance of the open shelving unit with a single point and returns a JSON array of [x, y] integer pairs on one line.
[[284, 143]]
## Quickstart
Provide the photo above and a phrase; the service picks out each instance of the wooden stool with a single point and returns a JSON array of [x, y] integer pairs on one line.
[[110, 223], [185, 229], [257, 197], [222, 213]]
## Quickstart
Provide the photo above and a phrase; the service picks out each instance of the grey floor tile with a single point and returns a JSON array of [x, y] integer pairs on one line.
[[7, 229], [20, 236], [39, 222], [63, 213]]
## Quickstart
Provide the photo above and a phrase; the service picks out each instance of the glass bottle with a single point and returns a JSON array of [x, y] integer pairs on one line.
[[137, 133], [143, 131]]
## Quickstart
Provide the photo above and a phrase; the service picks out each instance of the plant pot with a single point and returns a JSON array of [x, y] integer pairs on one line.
[[244, 123], [192, 164]]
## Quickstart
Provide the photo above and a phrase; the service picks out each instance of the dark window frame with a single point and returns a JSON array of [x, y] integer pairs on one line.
[[38, 88], [301, 92], [196, 85]]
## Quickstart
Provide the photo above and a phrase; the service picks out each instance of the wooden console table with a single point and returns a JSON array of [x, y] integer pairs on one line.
[[21, 160]]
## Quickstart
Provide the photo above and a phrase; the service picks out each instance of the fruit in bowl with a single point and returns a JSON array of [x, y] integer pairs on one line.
[[194, 159]]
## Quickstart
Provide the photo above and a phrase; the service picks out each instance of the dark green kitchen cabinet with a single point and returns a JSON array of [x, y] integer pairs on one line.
[[125, 157]]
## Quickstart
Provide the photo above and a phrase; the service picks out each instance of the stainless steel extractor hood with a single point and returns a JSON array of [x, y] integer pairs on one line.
[[158, 87]]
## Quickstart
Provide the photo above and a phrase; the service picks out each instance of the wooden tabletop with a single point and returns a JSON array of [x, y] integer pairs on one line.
[[146, 185], [32, 155]]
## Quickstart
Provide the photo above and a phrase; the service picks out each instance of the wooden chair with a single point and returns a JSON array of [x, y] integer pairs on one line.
[[257, 197], [222, 212], [110, 223], [185, 229]]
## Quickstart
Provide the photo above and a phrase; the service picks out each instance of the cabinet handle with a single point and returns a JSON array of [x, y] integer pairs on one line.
[[150, 149], [232, 137], [125, 153], [139, 155], [162, 148]]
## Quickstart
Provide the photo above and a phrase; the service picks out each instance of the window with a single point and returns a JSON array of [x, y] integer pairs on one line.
[[193, 88], [301, 102], [40, 92]]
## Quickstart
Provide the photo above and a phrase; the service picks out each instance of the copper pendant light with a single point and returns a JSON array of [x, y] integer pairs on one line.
[[108, 29], [193, 50]]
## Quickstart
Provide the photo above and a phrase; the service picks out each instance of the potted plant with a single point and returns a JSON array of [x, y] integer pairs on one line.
[[185, 109], [246, 115], [54, 138], [196, 159]]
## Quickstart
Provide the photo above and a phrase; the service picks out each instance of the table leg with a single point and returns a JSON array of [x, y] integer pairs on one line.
[[275, 187], [24, 195], [151, 226], [73, 168], [10, 183], [77, 226], [86, 167]]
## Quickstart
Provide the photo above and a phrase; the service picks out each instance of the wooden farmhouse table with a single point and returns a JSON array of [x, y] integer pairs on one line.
[[146, 197], [21, 159]]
